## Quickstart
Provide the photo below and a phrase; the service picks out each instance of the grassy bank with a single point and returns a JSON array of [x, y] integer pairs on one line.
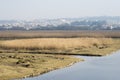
[[14, 65]]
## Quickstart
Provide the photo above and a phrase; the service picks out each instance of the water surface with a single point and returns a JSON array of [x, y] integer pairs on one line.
[[93, 68]]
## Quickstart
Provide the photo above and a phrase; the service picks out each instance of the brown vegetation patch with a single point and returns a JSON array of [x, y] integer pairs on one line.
[[56, 43]]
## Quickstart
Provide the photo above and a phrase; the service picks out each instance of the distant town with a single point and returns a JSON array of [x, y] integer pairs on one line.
[[83, 23]]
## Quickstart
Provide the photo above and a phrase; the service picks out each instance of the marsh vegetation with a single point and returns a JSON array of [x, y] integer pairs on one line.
[[14, 65], [57, 45], [31, 53]]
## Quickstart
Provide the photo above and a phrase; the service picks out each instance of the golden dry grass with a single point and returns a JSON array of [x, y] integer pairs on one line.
[[55, 43], [14, 65]]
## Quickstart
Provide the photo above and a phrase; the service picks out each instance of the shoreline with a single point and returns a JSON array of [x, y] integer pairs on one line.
[[38, 74], [81, 59]]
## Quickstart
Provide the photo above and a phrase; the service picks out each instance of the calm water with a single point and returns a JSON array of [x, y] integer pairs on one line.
[[94, 68]]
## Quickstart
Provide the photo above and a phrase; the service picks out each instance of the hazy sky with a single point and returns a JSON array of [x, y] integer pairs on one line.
[[35, 9]]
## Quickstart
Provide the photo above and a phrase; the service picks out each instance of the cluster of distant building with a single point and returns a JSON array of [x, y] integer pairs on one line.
[[84, 23]]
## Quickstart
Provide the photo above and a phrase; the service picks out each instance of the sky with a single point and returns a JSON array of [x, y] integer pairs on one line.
[[37, 9]]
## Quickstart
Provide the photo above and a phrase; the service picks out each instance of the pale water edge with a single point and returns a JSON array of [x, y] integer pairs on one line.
[[93, 68]]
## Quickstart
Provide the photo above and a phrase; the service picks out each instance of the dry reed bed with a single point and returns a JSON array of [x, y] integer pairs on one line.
[[55, 43], [58, 34]]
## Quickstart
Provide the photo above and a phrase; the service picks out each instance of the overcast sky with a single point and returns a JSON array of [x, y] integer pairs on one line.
[[36, 9]]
